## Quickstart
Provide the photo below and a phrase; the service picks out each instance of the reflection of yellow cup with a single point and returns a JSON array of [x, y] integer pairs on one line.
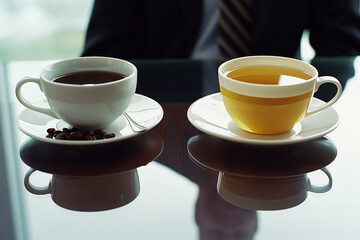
[[260, 102], [266, 193]]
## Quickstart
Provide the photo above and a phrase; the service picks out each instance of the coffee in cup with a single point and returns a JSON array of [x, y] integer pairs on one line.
[[85, 92], [89, 77], [269, 94]]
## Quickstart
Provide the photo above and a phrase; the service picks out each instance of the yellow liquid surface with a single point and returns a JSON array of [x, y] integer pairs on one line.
[[273, 75], [266, 115]]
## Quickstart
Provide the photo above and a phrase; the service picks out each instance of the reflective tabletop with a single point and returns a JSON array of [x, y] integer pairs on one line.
[[175, 181]]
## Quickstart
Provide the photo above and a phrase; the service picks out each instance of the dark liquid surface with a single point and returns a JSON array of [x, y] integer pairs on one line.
[[89, 77]]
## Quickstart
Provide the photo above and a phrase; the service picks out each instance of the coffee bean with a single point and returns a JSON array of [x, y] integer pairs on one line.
[[57, 132], [50, 135], [78, 134], [61, 136], [99, 132], [85, 132], [89, 137], [51, 130], [99, 136], [110, 135]]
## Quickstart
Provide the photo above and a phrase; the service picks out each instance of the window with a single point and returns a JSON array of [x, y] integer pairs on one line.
[[42, 29]]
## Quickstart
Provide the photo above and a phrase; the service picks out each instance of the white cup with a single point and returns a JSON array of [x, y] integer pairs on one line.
[[85, 106], [89, 193]]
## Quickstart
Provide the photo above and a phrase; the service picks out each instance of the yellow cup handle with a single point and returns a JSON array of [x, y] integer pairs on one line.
[[321, 189], [319, 81]]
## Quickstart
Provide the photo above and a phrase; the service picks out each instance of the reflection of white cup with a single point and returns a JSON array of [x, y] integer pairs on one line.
[[261, 104], [89, 193], [266, 193], [86, 106]]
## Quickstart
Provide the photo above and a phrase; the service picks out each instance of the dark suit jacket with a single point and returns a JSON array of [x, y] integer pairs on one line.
[[169, 29]]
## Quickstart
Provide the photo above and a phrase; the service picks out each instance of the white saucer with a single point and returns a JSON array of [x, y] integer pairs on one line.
[[208, 114], [143, 110]]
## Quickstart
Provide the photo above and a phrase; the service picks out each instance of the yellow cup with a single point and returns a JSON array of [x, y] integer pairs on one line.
[[270, 94]]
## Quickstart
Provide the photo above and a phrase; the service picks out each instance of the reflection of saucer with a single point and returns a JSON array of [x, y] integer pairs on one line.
[[233, 158], [143, 110], [209, 115], [94, 160], [263, 177], [91, 178]]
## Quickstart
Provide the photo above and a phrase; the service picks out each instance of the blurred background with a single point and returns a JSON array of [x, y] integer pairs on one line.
[[42, 29], [53, 29]]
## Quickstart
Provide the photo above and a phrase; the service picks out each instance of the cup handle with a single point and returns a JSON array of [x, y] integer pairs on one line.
[[26, 103], [322, 189], [319, 81], [33, 189]]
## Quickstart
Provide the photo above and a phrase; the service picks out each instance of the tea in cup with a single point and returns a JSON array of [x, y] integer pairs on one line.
[[85, 92], [269, 94]]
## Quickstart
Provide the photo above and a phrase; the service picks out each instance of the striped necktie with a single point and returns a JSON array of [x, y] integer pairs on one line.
[[234, 28]]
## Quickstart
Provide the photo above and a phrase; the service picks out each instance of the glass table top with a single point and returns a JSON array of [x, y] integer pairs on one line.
[[174, 181]]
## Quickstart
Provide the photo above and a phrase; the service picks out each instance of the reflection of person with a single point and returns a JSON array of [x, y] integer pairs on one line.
[[214, 216], [184, 29], [218, 219]]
